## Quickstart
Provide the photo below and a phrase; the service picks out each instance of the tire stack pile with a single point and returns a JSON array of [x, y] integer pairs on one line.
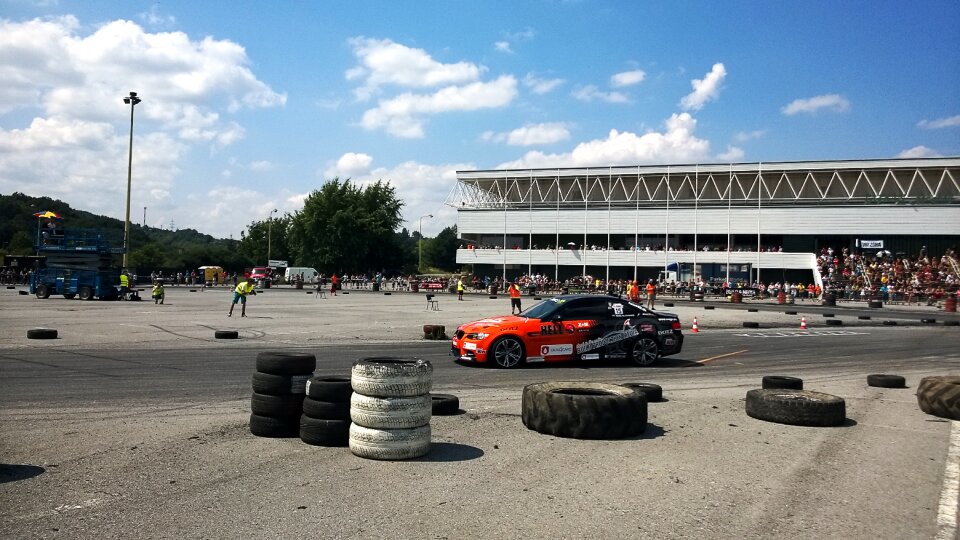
[[279, 386], [326, 412], [390, 408]]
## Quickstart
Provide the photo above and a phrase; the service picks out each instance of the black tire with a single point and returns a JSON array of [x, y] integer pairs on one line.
[[940, 396], [644, 351], [828, 314], [324, 432], [928, 321], [796, 407], [790, 312], [668, 304], [863, 317], [493, 297], [751, 324], [226, 334], [876, 304], [753, 310], [781, 382], [69, 295], [886, 381], [428, 331], [278, 385], [584, 410], [445, 404], [834, 322], [653, 392], [709, 307], [43, 292], [326, 410], [42, 333], [267, 426], [506, 352], [286, 363], [951, 323], [391, 376], [290, 405], [335, 389], [439, 331], [889, 323], [387, 293]]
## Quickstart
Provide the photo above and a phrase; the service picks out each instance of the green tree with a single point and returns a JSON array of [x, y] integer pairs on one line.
[[441, 252], [254, 243]]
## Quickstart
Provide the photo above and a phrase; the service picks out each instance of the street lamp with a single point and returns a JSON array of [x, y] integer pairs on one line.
[[420, 243], [269, 233], [132, 101]]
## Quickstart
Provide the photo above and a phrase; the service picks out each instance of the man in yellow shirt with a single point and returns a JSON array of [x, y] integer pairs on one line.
[[240, 295]]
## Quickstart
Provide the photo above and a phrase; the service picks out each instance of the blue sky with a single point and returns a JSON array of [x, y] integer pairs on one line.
[[249, 106]]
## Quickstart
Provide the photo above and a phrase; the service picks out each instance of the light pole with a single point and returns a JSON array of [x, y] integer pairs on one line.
[[420, 243], [269, 233], [132, 101]]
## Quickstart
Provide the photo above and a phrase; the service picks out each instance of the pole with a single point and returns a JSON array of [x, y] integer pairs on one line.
[[666, 233], [420, 243], [729, 204], [132, 100], [144, 216], [636, 228], [759, 185], [696, 214], [609, 197], [556, 264]]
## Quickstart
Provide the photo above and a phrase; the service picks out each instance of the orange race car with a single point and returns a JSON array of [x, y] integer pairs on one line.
[[571, 327]]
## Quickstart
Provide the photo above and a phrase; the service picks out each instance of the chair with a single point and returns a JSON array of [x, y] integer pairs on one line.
[[432, 305]]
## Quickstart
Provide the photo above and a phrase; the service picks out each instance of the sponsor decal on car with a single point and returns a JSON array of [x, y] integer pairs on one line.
[[664, 332], [535, 359], [470, 346], [612, 337], [590, 356], [554, 350]]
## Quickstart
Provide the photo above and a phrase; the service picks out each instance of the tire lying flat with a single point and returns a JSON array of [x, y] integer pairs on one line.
[[796, 407], [326, 410], [225, 334], [886, 381], [444, 404], [42, 333], [390, 413], [286, 363], [940, 396], [321, 432], [782, 382], [282, 406], [389, 444], [391, 377], [584, 410], [654, 392]]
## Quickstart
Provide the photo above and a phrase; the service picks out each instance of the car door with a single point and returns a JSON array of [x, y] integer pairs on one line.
[[581, 322]]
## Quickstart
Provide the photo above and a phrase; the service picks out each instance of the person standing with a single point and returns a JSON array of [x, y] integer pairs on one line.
[[333, 285], [651, 293], [634, 294], [460, 288], [240, 293], [514, 297], [124, 285]]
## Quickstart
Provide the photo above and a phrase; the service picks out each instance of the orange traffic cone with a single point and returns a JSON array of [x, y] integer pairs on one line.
[[803, 323], [695, 329]]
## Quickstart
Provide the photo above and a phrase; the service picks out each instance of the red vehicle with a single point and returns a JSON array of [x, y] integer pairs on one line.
[[260, 272], [571, 327]]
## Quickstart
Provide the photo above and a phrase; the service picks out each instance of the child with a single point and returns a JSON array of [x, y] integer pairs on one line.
[[158, 292]]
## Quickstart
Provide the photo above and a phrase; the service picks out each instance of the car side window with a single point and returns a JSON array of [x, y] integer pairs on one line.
[[590, 308]]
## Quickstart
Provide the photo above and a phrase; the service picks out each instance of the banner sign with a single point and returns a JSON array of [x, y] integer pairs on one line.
[[871, 244], [276, 264], [745, 292]]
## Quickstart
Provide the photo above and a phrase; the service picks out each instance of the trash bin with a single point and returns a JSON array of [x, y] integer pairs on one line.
[[493, 289], [736, 297], [376, 287], [415, 286]]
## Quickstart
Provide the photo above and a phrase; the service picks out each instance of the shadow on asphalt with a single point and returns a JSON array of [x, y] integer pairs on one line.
[[653, 431], [445, 452], [13, 473]]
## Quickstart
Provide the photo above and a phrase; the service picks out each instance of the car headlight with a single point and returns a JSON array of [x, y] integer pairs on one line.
[[478, 335]]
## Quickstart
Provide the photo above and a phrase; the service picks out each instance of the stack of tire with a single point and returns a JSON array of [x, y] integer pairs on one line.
[[279, 386], [390, 408], [326, 411]]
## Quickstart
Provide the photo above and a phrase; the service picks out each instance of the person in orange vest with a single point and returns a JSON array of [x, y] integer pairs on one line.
[[633, 291], [515, 298], [651, 293], [333, 285]]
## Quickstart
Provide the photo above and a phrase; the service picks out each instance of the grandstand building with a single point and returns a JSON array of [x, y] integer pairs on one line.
[[735, 221]]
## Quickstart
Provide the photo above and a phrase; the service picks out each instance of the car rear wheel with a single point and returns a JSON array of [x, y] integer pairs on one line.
[[43, 292], [506, 352], [86, 293], [645, 351]]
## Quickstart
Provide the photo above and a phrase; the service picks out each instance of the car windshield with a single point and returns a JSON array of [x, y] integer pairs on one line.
[[543, 310]]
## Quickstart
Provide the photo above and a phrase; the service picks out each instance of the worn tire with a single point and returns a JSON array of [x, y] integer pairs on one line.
[[889, 323], [390, 413], [876, 304], [428, 331], [324, 432], [226, 334], [928, 321], [276, 385], [828, 315], [668, 304], [863, 317], [268, 426], [42, 333], [326, 410], [886, 381], [753, 310], [389, 444], [654, 392], [335, 389], [751, 324], [940, 396], [796, 407], [781, 382], [834, 322], [286, 363], [290, 405], [951, 323], [391, 377], [790, 312], [584, 410], [444, 404], [709, 307]]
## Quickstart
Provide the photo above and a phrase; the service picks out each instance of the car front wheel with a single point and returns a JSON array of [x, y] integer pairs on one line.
[[645, 351], [507, 352]]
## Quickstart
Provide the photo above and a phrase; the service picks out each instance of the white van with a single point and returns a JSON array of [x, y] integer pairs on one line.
[[310, 275]]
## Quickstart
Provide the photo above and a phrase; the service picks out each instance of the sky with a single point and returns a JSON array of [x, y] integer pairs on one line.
[[250, 106]]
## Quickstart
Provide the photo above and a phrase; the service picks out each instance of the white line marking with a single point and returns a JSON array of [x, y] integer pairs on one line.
[[947, 516]]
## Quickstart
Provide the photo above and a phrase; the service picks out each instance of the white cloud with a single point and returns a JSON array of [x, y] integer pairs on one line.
[[591, 93], [706, 89], [383, 62], [744, 136], [832, 102], [540, 86], [261, 166], [531, 134], [627, 78], [514, 38], [732, 154], [404, 115], [677, 143], [155, 18], [918, 152], [350, 165], [503, 46], [950, 121]]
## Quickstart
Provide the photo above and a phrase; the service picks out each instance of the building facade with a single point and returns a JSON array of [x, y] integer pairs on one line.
[[716, 221]]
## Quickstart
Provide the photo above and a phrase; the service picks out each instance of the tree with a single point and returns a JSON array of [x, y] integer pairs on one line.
[[344, 228], [441, 252], [254, 243]]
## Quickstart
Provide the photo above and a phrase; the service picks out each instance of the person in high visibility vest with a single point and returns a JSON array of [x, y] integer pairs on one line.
[[459, 288], [515, 297], [651, 293], [124, 285], [158, 292], [240, 295]]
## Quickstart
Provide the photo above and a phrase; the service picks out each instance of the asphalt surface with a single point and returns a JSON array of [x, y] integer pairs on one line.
[[133, 424]]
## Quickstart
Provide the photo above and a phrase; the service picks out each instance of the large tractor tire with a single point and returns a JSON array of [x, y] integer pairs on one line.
[[796, 407], [940, 396], [584, 410]]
